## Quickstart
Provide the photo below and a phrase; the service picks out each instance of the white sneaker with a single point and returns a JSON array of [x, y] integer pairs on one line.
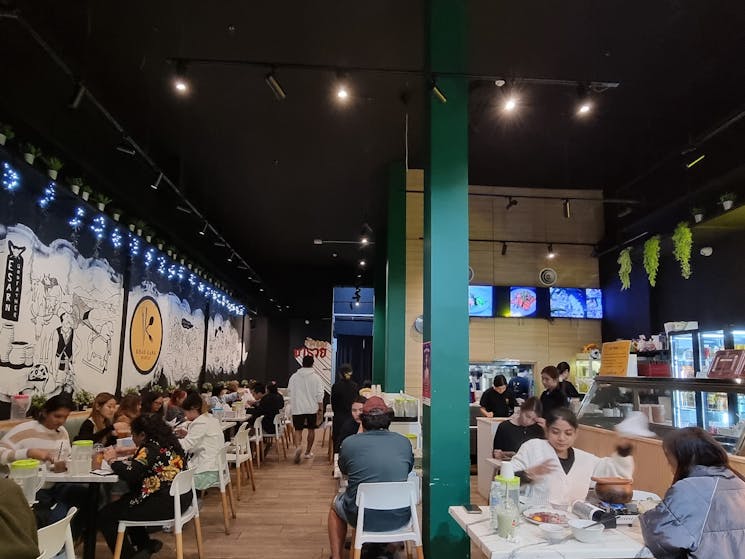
[[308, 455]]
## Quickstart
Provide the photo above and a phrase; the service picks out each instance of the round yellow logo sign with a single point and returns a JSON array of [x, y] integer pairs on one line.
[[145, 335]]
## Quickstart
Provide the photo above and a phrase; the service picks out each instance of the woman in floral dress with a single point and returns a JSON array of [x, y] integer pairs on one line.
[[159, 458]]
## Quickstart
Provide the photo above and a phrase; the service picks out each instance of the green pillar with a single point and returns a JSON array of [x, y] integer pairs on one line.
[[395, 296], [446, 433], [379, 329]]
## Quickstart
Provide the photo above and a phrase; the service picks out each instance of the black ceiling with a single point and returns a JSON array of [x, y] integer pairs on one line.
[[272, 176]]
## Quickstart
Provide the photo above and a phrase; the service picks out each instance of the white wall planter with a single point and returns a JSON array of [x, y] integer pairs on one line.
[[117, 216], [85, 195], [52, 174], [2, 139], [698, 218], [727, 204], [132, 227], [101, 206], [29, 158], [75, 189]]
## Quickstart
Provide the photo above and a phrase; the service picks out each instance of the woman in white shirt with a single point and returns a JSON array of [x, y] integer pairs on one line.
[[203, 440], [564, 471]]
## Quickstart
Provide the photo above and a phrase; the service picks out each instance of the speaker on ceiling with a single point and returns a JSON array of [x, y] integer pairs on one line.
[[548, 276]]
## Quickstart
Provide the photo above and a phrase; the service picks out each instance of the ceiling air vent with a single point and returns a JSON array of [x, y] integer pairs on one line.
[[548, 276]]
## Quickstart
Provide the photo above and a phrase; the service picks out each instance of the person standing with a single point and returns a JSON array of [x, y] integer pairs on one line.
[[552, 398], [343, 393], [305, 391], [498, 401], [569, 390]]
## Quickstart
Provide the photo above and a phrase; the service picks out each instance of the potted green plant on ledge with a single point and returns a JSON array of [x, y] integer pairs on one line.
[[101, 201], [54, 166], [37, 402], [85, 192], [76, 184], [116, 214], [82, 399], [6, 133], [698, 215], [30, 153], [728, 200]]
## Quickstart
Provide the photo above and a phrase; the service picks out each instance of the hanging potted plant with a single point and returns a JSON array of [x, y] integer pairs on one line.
[[54, 166], [30, 152], [116, 214], [85, 192], [652, 258], [682, 247], [624, 268], [76, 184], [727, 199], [6, 133], [698, 215], [101, 201]]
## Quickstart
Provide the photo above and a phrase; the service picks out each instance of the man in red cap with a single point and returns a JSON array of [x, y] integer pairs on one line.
[[375, 455]]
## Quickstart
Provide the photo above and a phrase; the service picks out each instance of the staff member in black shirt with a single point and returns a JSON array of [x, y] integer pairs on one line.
[[498, 401], [526, 425], [553, 397], [569, 390]]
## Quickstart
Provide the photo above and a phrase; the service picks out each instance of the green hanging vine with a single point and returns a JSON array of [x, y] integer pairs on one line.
[[652, 258], [624, 268], [682, 247]]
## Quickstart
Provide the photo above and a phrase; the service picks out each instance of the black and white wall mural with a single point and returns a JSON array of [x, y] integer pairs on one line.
[[68, 270]]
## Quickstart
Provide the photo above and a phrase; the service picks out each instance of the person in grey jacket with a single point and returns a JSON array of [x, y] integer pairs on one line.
[[701, 514]]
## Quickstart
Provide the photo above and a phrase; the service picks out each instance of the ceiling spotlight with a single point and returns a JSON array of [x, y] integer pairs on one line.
[[261, 289], [510, 202], [584, 108], [567, 208], [364, 240], [273, 84], [359, 275], [551, 253], [156, 184], [203, 232], [317, 242], [230, 258], [179, 80], [504, 248], [334, 255], [271, 299], [438, 93], [357, 303], [584, 101], [342, 91], [510, 104], [363, 263], [77, 98]]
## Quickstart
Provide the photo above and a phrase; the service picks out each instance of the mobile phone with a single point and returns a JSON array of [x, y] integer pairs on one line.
[[472, 509]]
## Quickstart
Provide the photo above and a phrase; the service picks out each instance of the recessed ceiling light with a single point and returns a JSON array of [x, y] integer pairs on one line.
[[584, 108], [363, 263], [342, 93], [510, 104]]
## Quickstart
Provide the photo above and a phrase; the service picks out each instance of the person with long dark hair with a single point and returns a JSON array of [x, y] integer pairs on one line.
[[563, 471], [701, 514], [343, 393], [521, 427], [152, 402], [159, 458], [99, 426], [569, 390], [498, 401], [129, 408]]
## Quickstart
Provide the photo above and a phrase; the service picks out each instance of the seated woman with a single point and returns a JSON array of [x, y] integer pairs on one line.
[[203, 440], [129, 408], [553, 397], [99, 427], [159, 458], [701, 515], [46, 439], [175, 412], [521, 427], [152, 402], [564, 471], [268, 403], [216, 400]]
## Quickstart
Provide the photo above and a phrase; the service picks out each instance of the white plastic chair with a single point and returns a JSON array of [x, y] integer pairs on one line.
[[289, 427], [328, 421], [54, 537], [242, 455], [225, 486], [181, 484], [258, 438], [278, 435], [387, 496]]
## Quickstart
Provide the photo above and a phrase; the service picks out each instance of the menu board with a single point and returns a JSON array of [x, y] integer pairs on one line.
[[615, 358]]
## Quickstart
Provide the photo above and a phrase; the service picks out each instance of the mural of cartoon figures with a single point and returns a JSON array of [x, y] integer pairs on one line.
[[224, 345], [46, 295], [99, 347], [66, 347]]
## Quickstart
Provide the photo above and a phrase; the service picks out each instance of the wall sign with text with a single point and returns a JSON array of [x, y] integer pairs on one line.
[[146, 335]]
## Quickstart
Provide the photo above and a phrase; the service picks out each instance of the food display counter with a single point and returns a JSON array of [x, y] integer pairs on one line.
[[611, 398]]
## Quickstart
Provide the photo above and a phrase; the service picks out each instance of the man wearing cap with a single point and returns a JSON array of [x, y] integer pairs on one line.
[[375, 455]]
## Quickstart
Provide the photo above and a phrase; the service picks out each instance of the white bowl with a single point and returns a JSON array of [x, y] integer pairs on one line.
[[584, 534], [553, 532]]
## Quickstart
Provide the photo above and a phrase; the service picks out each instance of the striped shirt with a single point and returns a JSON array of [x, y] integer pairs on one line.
[[32, 434]]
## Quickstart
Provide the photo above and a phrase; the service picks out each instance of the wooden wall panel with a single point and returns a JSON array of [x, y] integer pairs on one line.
[[537, 341]]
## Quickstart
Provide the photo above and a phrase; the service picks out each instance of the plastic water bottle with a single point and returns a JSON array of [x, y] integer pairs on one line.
[[495, 502]]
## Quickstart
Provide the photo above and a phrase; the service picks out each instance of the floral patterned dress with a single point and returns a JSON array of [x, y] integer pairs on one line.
[[151, 471]]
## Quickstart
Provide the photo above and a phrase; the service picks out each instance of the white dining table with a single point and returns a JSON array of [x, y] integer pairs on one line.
[[623, 542], [228, 425], [90, 526]]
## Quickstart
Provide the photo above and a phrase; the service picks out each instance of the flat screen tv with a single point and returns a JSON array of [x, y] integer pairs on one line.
[[481, 300], [523, 301], [594, 303], [568, 302]]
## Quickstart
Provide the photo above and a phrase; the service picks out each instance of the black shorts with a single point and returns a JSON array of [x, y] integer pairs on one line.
[[304, 421]]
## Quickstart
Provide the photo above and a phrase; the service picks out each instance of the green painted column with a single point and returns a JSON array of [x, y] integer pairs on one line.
[[379, 329], [446, 434], [395, 296]]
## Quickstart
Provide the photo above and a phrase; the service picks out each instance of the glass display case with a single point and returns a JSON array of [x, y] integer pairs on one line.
[[585, 369], [611, 398]]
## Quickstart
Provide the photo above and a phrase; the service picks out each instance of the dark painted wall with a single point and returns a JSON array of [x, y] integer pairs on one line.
[[714, 295]]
